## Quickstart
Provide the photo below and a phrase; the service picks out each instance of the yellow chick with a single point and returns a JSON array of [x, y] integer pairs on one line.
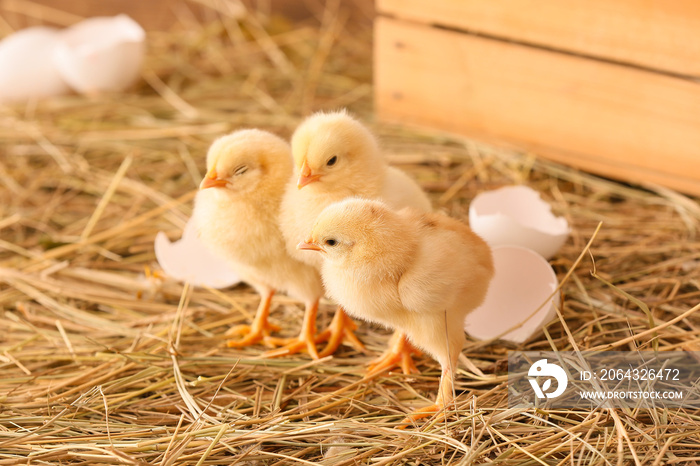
[[236, 214], [335, 157], [420, 273]]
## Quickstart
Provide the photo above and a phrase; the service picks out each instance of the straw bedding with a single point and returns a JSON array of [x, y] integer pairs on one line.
[[105, 360]]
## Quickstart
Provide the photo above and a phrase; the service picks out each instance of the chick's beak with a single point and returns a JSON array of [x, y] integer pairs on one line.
[[212, 180], [306, 176], [309, 245]]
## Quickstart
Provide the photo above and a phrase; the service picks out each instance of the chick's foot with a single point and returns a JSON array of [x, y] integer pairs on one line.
[[305, 341], [420, 414], [258, 330], [252, 334], [341, 330], [399, 354]]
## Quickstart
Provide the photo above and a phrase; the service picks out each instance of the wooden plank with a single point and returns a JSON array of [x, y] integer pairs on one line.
[[615, 120], [661, 34]]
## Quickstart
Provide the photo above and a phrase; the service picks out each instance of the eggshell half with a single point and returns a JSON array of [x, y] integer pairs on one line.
[[26, 69], [523, 281], [517, 215], [101, 54], [188, 260]]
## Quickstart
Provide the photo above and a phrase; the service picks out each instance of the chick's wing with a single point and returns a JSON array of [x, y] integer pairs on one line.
[[452, 267], [400, 190]]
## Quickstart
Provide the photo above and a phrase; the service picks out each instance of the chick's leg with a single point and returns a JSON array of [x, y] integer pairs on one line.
[[341, 330], [445, 395], [260, 327], [305, 341], [400, 353]]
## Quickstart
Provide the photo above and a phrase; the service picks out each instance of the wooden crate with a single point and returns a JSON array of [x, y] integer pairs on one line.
[[609, 86]]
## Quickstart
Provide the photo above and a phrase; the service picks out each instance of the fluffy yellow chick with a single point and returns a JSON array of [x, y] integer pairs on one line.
[[236, 214], [335, 157], [420, 273]]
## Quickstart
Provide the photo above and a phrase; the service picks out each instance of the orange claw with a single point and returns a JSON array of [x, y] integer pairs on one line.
[[420, 414], [399, 353], [341, 330], [305, 341], [258, 330]]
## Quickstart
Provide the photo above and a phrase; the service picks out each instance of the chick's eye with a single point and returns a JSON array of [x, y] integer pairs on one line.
[[331, 242], [240, 170], [332, 161]]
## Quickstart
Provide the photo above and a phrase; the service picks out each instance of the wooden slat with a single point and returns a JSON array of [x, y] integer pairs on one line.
[[615, 120], [661, 34]]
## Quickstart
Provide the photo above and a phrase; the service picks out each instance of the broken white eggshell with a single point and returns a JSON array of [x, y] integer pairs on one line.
[[26, 69], [517, 215], [188, 260], [517, 303], [101, 54]]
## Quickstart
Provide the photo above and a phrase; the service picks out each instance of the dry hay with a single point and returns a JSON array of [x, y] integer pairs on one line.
[[104, 362]]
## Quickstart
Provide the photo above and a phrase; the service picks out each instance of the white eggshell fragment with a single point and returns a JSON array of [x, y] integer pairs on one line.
[[188, 260], [101, 54], [517, 303], [26, 69], [517, 215]]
